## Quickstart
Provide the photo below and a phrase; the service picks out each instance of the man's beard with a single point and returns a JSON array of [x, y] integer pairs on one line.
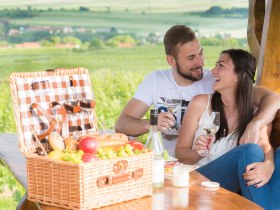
[[189, 75]]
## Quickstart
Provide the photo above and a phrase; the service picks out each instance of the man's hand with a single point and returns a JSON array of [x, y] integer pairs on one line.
[[165, 120], [251, 134]]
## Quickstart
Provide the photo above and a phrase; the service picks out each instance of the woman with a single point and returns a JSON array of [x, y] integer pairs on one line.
[[247, 167]]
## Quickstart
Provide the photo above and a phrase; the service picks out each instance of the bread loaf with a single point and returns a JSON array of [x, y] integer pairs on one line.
[[115, 140]]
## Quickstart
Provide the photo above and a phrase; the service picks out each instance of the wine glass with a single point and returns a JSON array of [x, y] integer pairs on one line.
[[173, 104], [88, 105], [210, 125]]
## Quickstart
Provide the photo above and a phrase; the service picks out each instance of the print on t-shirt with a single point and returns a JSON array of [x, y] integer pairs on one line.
[[175, 107]]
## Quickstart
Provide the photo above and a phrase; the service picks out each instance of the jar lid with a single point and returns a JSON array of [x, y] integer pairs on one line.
[[210, 185]]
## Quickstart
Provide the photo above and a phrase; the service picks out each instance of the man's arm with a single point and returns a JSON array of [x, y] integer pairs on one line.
[[130, 121], [259, 173], [268, 103]]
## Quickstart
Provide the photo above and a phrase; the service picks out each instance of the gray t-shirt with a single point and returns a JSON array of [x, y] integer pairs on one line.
[[154, 91]]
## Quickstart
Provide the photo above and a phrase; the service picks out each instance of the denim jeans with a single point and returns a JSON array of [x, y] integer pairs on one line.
[[229, 168]]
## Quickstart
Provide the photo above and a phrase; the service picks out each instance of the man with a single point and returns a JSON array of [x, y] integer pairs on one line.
[[185, 56]]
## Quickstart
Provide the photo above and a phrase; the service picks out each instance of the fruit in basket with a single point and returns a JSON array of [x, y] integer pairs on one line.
[[88, 144], [88, 157], [71, 144], [73, 157], [122, 153], [55, 155], [56, 141], [136, 145]]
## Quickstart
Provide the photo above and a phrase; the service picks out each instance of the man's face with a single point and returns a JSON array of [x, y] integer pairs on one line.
[[190, 60]]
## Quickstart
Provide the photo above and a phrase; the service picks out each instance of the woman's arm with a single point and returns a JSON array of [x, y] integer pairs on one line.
[[259, 173], [184, 151]]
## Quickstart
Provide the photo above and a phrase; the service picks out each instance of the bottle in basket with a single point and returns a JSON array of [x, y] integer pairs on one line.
[[154, 142]]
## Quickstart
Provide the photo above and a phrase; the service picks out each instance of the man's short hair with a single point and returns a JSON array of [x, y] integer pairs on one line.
[[176, 36]]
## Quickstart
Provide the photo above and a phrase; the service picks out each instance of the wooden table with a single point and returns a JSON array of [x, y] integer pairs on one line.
[[193, 197]]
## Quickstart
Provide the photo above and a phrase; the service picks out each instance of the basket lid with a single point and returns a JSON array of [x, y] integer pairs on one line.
[[44, 88]]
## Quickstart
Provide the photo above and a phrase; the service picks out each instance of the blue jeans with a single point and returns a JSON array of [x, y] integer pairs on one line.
[[229, 168]]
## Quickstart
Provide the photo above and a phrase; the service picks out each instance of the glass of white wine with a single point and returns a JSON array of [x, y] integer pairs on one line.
[[173, 105], [210, 125]]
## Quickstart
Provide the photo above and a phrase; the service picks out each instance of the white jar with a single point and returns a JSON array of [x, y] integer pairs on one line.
[[181, 175], [158, 173]]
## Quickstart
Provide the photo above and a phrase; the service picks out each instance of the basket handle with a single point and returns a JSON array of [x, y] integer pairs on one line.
[[54, 125], [105, 181], [65, 131], [47, 132]]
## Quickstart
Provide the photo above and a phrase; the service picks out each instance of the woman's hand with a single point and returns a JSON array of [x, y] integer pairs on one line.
[[202, 144], [258, 174]]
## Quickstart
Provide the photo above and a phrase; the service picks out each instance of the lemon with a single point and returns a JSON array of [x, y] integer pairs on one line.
[[55, 155]]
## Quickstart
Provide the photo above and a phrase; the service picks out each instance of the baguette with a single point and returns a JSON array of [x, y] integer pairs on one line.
[[114, 141], [110, 143]]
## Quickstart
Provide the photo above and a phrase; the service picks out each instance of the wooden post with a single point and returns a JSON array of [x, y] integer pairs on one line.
[[255, 26], [268, 73]]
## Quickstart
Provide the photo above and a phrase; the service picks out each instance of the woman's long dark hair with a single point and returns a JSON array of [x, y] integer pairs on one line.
[[245, 67]]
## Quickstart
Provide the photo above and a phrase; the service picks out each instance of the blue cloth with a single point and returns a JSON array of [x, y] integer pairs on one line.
[[229, 168]]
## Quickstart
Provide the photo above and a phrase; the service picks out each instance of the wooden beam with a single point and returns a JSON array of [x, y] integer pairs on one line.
[[255, 26], [268, 74]]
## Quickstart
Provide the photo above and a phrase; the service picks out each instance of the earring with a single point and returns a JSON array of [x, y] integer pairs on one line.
[[235, 80]]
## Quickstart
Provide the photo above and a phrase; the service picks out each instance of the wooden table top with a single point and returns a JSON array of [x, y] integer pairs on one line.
[[193, 197]]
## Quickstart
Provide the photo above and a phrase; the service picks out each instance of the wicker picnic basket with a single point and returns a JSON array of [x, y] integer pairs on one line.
[[63, 184]]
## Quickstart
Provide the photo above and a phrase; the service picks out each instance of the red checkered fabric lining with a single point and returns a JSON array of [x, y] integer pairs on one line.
[[46, 89]]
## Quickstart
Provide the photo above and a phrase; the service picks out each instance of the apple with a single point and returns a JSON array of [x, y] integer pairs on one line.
[[88, 144], [88, 157], [136, 145]]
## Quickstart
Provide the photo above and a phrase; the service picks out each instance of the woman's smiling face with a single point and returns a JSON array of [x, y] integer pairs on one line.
[[224, 74]]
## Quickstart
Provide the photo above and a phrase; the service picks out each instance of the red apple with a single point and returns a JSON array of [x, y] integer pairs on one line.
[[88, 144], [88, 157], [136, 145]]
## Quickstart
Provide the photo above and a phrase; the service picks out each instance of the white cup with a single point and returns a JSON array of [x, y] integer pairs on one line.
[[181, 175]]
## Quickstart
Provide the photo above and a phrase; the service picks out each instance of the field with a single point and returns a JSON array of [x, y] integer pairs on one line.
[[131, 16]]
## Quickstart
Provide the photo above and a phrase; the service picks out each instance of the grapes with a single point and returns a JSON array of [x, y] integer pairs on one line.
[[73, 156], [103, 153]]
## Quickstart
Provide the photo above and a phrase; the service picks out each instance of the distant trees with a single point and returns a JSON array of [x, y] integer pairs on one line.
[[96, 44], [29, 37], [220, 41], [232, 12], [71, 40], [19, 13], [84, 9], [115, 41]]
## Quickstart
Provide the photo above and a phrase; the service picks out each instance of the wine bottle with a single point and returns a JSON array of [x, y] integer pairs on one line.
[[154, 142]]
